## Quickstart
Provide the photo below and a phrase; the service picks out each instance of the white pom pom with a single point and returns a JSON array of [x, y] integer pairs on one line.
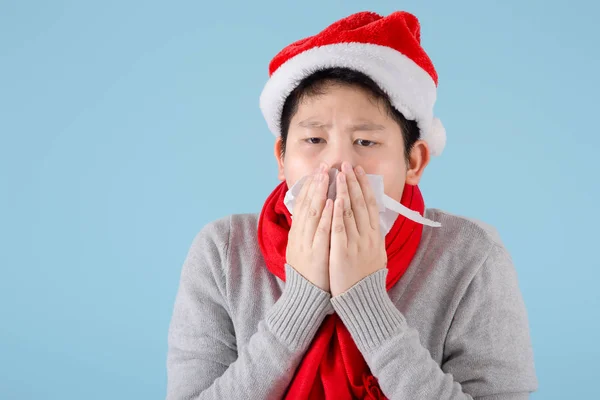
[[436, 139]]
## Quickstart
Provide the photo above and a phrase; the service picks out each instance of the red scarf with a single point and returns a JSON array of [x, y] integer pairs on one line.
[[333, 367]]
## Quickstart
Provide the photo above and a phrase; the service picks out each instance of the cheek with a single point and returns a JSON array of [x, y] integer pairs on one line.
[[294, 168], [394, 178], [394, 187]]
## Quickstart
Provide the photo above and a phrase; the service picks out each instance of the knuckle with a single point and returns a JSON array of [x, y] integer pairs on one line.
[[348, 213], [338, 228], [371, 244], [322, 230], [312, 212]]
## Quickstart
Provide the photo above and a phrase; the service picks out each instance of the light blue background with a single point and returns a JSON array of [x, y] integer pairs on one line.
[[127, 126]]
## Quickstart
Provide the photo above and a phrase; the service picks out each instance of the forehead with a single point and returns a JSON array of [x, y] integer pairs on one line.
[[344, 97], [333, 88]]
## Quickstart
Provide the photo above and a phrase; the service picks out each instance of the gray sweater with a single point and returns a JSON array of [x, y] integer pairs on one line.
[[453, 327]]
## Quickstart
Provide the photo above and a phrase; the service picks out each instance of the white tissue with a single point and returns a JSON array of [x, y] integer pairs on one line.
[[389, 209]]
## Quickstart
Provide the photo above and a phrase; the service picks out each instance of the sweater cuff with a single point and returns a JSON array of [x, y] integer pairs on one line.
[[368, 312], [299, 312]]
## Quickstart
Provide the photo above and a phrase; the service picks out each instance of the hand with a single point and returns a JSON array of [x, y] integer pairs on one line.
[[357, 245], [309, 237]]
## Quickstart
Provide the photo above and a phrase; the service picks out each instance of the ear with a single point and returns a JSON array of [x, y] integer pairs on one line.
[[417, 161], [279, 157]]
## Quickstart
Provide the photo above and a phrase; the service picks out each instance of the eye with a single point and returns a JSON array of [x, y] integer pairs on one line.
[[365, 143], [313, 140]]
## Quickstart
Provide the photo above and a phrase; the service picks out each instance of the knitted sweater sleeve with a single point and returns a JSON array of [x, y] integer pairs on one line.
[[203, 360], [487, 352]]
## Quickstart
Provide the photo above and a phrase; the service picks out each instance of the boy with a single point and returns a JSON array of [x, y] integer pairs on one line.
[[338, 289]]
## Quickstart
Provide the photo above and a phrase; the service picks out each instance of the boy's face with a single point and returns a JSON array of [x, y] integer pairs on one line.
[[347, 124]]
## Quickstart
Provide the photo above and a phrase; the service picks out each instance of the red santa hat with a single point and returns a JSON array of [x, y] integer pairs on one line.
[[387, 49]]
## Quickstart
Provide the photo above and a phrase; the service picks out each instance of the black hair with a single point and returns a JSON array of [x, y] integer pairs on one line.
[[315, 83]]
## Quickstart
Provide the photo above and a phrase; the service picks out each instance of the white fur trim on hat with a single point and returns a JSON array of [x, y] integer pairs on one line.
[[411, 89]]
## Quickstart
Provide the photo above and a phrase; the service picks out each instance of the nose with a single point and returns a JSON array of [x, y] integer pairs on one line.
[[337, 152]]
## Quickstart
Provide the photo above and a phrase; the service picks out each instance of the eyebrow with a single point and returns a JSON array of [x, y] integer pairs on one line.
[[364, 126], [313, 124], [367, 126]]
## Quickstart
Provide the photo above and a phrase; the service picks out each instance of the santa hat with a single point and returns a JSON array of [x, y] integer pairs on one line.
[[387, 49]]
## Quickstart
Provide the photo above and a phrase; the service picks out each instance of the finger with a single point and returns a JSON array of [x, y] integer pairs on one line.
[[305, 193], [338, 228], [315, 209], [348, 213], [322, 236], [299, 206], [369, 196], [357, 199]]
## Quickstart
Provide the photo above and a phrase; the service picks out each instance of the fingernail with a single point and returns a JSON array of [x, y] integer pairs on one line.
[[346, 166], [360, 171], [323, 167]]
